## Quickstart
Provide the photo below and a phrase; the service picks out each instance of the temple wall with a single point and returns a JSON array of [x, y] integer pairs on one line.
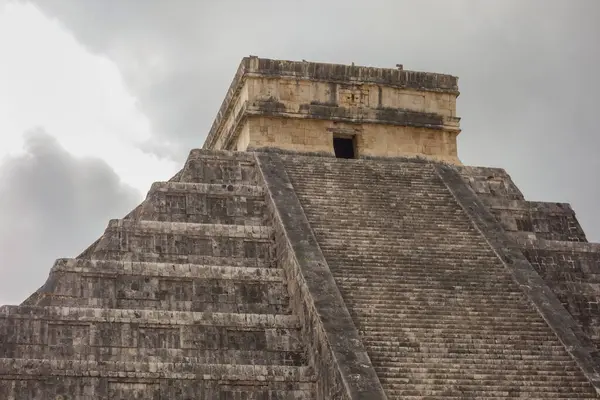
[[305, 114], [294, 93], [316, 136]]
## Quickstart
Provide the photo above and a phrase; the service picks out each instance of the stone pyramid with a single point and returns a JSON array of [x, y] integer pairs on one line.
[[326, 243]]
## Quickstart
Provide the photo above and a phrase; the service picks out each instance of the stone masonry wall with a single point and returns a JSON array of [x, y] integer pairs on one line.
[[181, 299], [316, 136]]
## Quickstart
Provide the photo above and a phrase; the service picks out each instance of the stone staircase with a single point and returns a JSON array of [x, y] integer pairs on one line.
[[551, 239], [439, 314], [181, 299]]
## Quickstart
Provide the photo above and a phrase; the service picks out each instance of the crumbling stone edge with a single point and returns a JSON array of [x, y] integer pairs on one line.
[[335, 350], [575, 341]]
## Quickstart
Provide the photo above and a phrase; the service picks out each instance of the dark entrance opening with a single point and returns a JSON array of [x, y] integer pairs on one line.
[[344, 147]]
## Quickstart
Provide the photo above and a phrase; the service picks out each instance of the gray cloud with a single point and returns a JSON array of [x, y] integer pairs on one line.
[[53, 205], [527, 69]]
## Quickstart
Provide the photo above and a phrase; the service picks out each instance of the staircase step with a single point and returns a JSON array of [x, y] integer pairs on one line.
[[457, 288], [454, 305], [425, 368], [459, 352], [481, 392], [487, 385], [394, 326]]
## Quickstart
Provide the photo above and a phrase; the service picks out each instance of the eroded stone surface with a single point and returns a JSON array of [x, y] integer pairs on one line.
[[180, 299]]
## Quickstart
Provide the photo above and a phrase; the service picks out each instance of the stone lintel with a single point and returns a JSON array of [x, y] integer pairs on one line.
[[575, 341]]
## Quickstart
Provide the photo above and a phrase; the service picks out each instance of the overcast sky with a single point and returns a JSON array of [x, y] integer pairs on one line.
[[98, 99]]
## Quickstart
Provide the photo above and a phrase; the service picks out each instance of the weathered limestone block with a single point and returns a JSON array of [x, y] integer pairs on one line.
[[219, 167], [137, 335], [333, 346], [182, 287], [85, 380], [551, 221], [204, 203], [182, 242], [299, 106], [491, 182]]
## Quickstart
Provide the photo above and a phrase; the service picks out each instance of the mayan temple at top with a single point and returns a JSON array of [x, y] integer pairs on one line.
[[325, 243], [339, 110]]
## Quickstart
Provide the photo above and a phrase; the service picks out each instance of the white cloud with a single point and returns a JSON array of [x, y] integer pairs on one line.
[[49, 80]]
